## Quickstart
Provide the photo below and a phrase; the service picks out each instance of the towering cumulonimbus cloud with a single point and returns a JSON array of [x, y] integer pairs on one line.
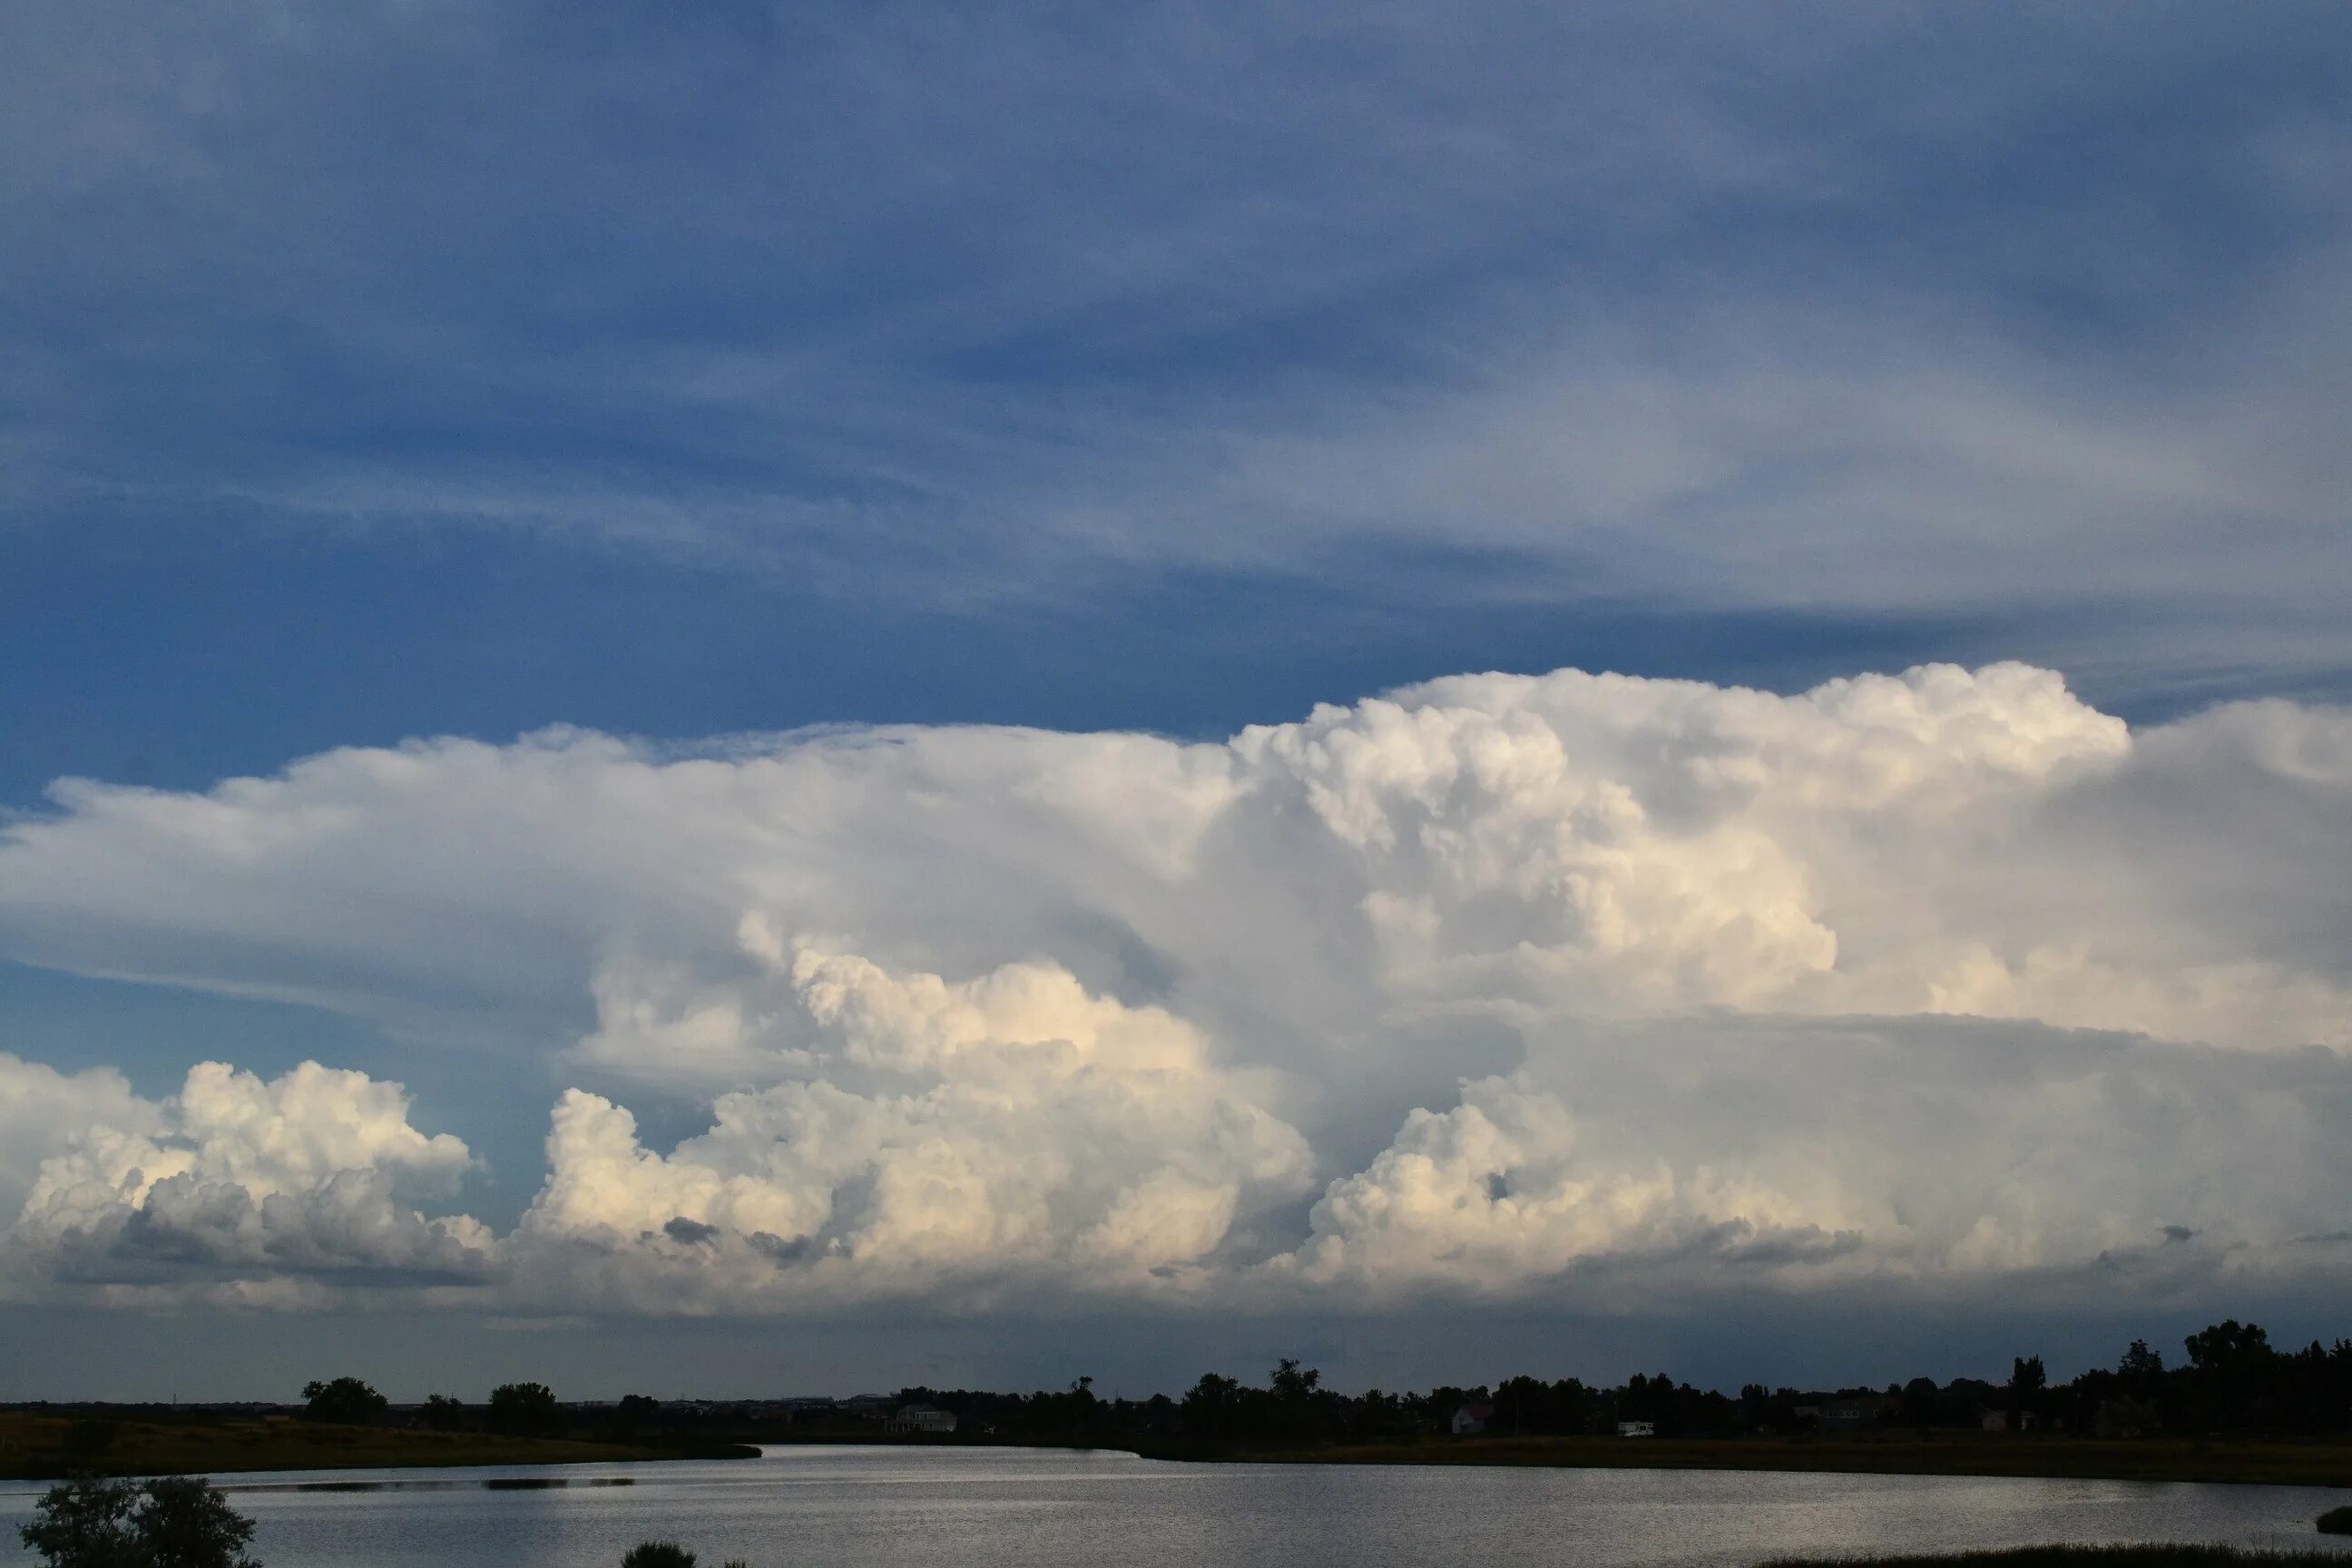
[[1492, 985]]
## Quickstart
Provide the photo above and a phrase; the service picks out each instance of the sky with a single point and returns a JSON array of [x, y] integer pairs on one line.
[[785, 699]]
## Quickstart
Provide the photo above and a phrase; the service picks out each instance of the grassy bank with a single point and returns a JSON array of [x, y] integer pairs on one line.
[[1952, 1453], [44, 1447], [2168, 1556]]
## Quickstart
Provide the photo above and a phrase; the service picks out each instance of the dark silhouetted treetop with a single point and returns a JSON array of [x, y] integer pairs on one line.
[[172, 1521], [344, 1399], [525, 1409]]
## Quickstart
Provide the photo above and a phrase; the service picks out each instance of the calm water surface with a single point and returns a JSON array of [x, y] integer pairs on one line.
[[888, 1508]]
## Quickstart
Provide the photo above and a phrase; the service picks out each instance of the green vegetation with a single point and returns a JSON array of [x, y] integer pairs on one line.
[[51, 1447], [343, 1424], [2164, 1556], [174, 1521], [2336, 1521]]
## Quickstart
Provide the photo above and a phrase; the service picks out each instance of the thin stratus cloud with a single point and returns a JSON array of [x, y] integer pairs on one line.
[[1491, 989]]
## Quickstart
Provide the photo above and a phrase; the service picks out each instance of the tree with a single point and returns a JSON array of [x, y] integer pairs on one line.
[[525, 1409], [346, 1400], [634, 1410], [2231, 1365], [2027, 1378], [1295, 1414], [443, 1414], [187, 1523], [1212, 1406], [657, 1554], [172, 1521], [1291, 1384], [86, 1523]]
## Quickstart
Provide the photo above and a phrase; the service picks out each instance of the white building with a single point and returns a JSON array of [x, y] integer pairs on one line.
[[1637, 1428], [928, 1418]]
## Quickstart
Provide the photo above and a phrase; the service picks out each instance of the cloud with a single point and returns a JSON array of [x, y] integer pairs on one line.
[[237, 1180], [1483, 983], [1805, 1154], [41, 1107], [1011, 1129]]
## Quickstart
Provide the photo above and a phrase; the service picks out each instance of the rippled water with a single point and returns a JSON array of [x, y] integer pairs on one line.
[[894, 1508]]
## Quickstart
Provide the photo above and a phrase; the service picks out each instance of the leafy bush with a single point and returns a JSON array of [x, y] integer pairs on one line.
[[657, 1554], [173, 1521], [2336, 1521]]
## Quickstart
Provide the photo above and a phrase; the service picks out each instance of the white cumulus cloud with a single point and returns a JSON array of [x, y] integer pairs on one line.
[[1486, 983], [234, 1179], [1008, 1129]]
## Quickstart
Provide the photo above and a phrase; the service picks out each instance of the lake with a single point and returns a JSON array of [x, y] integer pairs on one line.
[[1030, 1508]]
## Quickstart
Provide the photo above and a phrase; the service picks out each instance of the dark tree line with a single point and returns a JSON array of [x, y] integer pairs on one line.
[[515, 1409], [2229, 1379]]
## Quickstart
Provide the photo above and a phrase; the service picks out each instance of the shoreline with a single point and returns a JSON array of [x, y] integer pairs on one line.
[[43, 1449], [40, 1448], [2227, 1463]]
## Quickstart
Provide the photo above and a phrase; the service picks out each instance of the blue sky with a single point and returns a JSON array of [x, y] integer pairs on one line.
[[463, 370], [701, 377]]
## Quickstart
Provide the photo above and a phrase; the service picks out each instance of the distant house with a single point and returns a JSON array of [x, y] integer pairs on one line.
[[1471, 1419], [1637, 1428], [806, 1408], [928, 1418], [1998, 1421], [1853, 1411], [2125, 1418]]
